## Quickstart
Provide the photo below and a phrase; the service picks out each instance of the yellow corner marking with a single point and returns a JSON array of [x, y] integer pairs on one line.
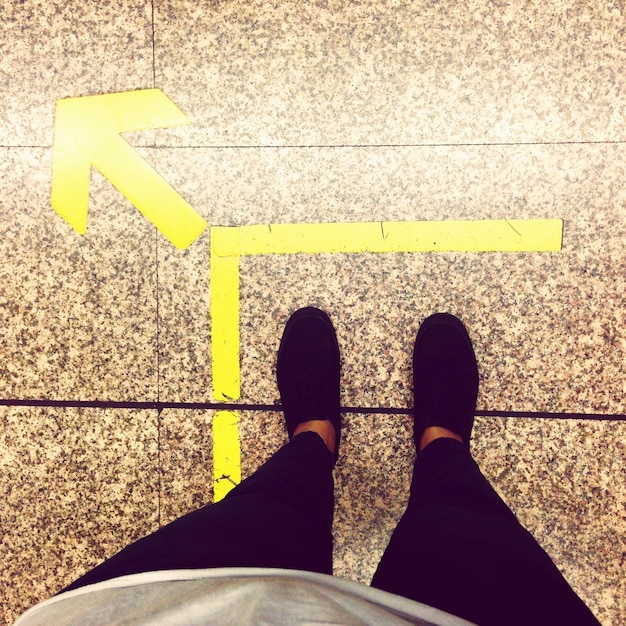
[[228, 244], [87, 133], [540, 235], [226, 453]]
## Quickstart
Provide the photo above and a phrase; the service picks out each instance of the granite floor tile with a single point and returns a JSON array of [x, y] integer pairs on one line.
[[368, 73], [537, 307], [186, 442], [77, 313], [547, 329], [77, 486], [184, 322], [236, 186], [52, 50]]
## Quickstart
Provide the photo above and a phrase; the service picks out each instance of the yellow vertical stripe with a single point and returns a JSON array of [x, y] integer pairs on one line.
[[225, 326], [225, 370], [226, 453]]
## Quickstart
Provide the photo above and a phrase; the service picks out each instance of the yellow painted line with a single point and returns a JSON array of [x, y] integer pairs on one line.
[[87, 133], [226, 453], [228, 244], [538, 235], [224, 298], [225, 370]]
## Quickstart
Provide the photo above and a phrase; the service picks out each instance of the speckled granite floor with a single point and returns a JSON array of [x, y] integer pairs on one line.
[[313, 112]]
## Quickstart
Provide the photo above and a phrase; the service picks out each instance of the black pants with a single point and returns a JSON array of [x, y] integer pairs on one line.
[[458, 547]]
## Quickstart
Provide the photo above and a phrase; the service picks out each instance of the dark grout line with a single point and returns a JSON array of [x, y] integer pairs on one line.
[[153, 48], [399, 145], [158, 378], [48, 147], [221, 406], [555, 416], [364, 145]]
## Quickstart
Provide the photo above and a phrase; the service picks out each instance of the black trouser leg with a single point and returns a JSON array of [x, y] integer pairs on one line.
[[281, 516], [459, 548]]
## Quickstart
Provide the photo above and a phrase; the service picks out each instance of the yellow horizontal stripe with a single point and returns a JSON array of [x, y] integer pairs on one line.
[[536, 235]]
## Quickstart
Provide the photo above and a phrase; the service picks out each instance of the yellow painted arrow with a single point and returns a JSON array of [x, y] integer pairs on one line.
[[87, 133]]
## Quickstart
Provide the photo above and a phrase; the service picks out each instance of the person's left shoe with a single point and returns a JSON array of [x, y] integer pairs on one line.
[[308, 371]]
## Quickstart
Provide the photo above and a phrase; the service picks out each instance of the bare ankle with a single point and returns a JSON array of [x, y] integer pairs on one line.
[[432, 433], [324, 428]]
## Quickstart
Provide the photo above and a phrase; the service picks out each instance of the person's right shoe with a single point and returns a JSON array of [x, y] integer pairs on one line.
[[445, 377]]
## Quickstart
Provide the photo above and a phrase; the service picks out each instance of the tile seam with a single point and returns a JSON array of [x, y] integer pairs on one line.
[[374, 145], [221, 406]]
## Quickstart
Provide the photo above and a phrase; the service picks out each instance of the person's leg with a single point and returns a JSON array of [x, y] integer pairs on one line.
[[281, 516], [458, 547]]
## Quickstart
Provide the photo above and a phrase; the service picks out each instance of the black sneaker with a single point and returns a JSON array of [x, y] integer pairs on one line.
[[445, 377], [308, 371]]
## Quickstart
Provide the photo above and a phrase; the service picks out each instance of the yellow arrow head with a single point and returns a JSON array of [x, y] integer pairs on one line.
[[70, 179], [87, 133]]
